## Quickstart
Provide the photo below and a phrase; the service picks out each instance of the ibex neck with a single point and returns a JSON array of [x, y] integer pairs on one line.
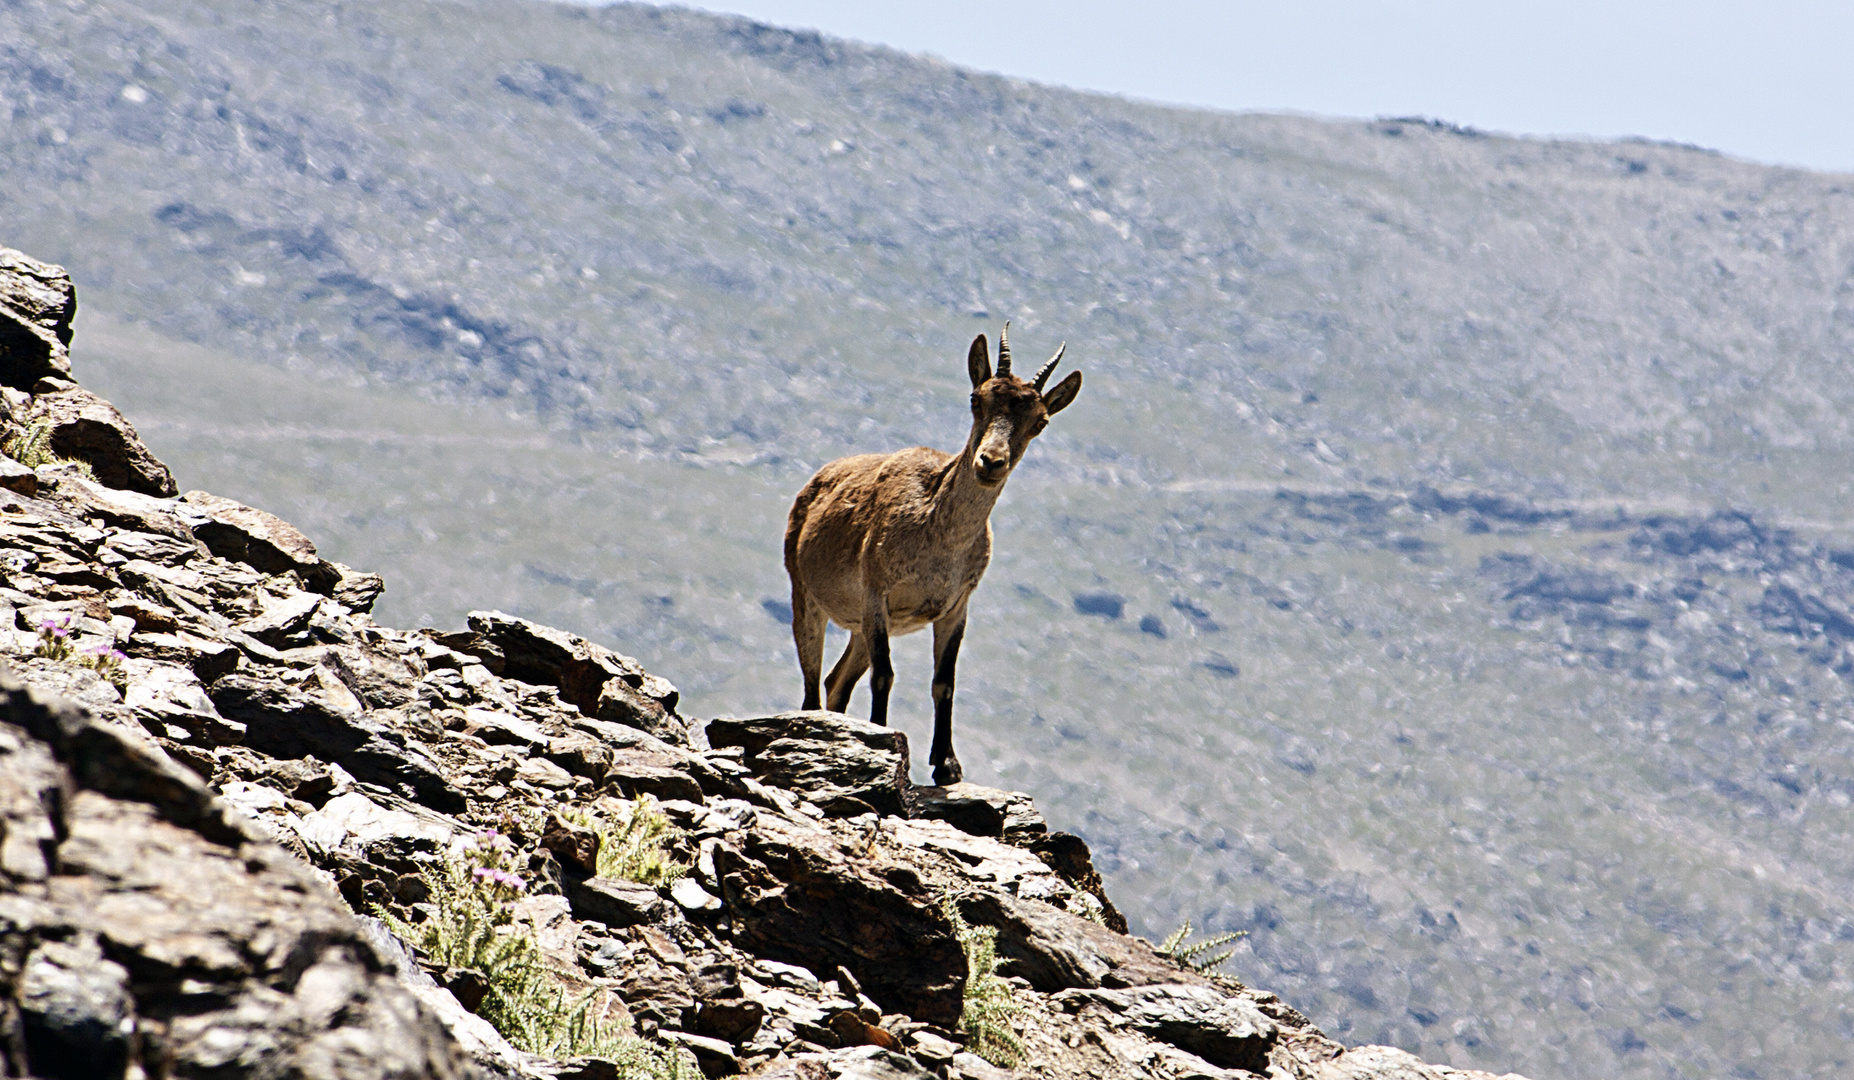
[[961, 502]]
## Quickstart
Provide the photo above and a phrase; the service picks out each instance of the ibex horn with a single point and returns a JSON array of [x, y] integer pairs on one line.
[[1043, 375], [1004, 350]]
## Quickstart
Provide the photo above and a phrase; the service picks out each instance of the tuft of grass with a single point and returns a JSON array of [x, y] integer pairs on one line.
[[637, 848], [1192, 956], [106, 661], [988, 1018], [1091, 908], [32, 448], [473, 927]]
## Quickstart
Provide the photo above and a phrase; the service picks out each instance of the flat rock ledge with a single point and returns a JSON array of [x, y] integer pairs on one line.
[[194, 843]]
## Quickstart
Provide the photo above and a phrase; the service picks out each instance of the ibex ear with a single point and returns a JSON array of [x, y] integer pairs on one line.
[[1058, 399], [978, 361]]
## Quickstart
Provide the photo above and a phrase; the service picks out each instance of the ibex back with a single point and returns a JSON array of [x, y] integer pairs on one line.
[[885, 544]]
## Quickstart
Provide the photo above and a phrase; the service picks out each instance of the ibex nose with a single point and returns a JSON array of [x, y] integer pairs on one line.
[[989, 467]]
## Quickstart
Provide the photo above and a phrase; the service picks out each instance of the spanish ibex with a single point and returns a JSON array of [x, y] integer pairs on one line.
[[883, 544]]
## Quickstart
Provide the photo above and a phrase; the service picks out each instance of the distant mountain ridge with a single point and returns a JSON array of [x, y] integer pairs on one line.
[[423, 210], [1363, 601]]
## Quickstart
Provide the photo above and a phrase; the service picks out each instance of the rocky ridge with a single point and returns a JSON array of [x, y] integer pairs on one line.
[[213, 758]]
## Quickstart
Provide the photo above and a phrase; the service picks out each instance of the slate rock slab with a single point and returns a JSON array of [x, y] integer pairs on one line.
[[130, 510], [601, 683], [637, 762], [85, 427], [1055, 950], [797, 896], [982, 811], [260, 540], [1222, 1029], [17, 478], [615, 903], [287, 723], [357, 590], [846, 766]]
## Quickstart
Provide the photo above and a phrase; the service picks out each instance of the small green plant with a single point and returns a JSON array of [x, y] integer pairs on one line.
[[55, 643], [1192, 956], [32, 448], [473, 926], [106, 661], [990, 1009], [636, 850], [1091, 908]]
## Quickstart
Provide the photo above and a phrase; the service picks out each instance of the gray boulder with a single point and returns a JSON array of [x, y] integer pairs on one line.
[[794, 894], [615, 903], [1055, 950], [982, 811]]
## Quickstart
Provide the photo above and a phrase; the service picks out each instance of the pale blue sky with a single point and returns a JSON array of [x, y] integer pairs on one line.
[[1771, 81]]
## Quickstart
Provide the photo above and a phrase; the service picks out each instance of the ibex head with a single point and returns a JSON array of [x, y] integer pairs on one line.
[[1008, 412]]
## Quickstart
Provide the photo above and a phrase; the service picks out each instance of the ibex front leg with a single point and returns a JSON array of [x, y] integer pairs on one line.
[[882, 673], [947, 633]]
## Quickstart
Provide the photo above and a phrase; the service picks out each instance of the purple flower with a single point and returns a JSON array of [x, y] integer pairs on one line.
[[499, 877]]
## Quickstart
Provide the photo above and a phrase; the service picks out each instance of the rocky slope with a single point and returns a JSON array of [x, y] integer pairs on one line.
[[213, 757]]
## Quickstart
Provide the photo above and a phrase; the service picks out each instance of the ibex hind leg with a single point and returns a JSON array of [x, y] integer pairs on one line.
[[848, 672], [808, 622]]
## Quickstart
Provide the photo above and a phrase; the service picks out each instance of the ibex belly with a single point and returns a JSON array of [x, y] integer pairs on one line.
[[912, 606]]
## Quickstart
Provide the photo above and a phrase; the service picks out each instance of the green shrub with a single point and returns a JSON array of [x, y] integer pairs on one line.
[[32, 448], [473, 927], [1174, 946], [990, 1010], [637, 849]]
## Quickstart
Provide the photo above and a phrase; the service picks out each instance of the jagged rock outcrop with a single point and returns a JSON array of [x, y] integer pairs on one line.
[[86, 428], [244, 767], [37, 304], [148, 928]]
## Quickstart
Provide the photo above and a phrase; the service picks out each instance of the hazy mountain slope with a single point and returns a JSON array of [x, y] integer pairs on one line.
[[1556, 308], [1495, 811]]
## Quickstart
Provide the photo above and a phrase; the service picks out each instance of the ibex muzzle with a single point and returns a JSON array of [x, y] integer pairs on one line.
[[886, 544]]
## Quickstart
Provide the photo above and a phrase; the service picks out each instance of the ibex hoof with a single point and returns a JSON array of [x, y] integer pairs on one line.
[[948, 772]]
